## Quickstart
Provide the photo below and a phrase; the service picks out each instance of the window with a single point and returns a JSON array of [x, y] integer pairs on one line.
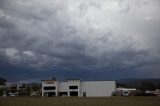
[[13, 87], [50, 88], [74, 93], [73, 87], [125, 92]]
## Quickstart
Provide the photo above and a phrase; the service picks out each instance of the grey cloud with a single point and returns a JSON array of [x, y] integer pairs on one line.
[[70, 37]]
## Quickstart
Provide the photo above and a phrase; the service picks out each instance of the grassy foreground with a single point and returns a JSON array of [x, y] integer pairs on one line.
[[75, 101]]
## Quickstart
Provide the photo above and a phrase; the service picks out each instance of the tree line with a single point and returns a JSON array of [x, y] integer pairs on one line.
[[143, 86]]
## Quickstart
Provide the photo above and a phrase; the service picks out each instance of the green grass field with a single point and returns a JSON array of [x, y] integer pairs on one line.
[[73, 101]]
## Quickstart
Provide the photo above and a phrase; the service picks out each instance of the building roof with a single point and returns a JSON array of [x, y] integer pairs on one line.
[[130, 89]]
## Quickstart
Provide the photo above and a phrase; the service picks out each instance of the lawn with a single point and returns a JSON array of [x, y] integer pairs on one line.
[[76, 101]]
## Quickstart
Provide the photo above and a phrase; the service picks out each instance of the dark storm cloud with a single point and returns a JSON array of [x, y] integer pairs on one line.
[[79, 37]]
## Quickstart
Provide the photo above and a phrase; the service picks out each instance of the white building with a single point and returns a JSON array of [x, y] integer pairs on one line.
[[78, 88]]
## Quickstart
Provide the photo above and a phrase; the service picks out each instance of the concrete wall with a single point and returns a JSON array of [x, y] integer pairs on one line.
[[63, 87], [49, 84], [98, 88], [74, 83]]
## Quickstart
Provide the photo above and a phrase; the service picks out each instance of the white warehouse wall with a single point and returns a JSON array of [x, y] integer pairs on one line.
[[98, 88]]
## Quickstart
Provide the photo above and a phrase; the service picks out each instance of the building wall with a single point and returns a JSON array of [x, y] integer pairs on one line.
[[98, 88], [63, 87], [74, 83], [50, 84], [89, 88]]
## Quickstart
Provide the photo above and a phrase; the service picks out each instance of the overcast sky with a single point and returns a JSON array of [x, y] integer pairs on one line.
[[87, 39]]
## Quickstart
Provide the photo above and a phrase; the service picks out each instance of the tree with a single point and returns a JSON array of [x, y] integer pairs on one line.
[[54, 78], [146, 85], [2, 81], [158, 86], [125, 85]]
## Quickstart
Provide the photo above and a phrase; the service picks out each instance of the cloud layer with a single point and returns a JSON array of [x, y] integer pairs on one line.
[[114, 38]]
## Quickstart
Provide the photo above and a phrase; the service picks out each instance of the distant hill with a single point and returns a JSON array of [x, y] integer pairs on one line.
[[139, 81], [141, 84]]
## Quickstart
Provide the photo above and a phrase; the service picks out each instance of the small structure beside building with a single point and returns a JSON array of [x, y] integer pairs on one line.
[[155, 92], [125, 91], [13, 90], [75, 87], [24, 89]]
